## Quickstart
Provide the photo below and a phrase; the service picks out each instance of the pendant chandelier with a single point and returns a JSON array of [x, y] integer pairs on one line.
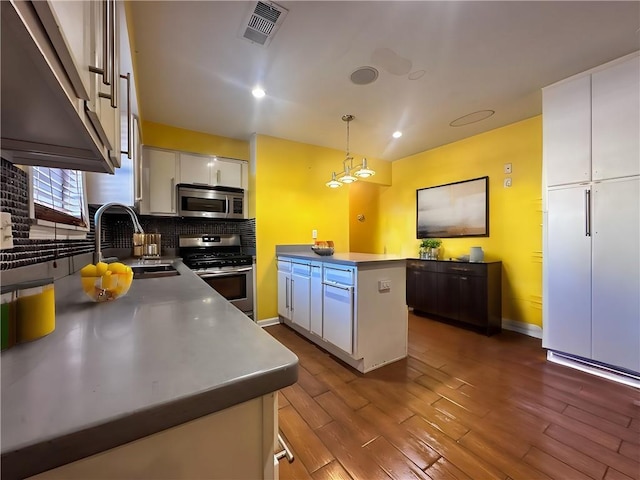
[[345, 176]]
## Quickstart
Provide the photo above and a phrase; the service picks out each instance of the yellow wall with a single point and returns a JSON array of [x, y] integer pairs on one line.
[[364, 217], [515, 213], [173, 138], [291, 200]]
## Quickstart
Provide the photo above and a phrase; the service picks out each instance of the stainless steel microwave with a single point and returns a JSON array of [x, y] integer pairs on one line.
[[210, 202]]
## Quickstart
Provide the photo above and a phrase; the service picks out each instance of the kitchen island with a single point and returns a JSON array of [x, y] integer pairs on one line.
[[170, 380], [351, 304]]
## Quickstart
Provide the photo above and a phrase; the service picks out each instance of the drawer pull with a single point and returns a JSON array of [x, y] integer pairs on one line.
[[285, 452], [460, 269]]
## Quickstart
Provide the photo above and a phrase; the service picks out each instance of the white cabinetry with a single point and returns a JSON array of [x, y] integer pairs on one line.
[[235, 443], [316, 299], [159, 177], [284, 286], [54, 110], [591, 266], [301, 294], [345, 310], [211, 170], [338, 306]]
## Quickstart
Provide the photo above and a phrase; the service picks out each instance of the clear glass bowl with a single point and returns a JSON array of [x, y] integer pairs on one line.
[[324, 251]]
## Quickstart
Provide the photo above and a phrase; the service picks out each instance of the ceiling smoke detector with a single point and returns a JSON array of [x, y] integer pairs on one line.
[[263, 22]]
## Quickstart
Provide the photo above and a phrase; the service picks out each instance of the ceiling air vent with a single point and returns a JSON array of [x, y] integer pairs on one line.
[[263, 22]]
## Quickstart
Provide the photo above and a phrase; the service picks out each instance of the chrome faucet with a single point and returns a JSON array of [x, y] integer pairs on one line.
[[97, 220]]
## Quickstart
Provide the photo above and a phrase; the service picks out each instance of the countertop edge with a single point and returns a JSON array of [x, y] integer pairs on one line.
[[340, 261], [53, 453]]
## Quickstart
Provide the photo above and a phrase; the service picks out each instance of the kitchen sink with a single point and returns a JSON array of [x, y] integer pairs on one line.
[[154, 271]]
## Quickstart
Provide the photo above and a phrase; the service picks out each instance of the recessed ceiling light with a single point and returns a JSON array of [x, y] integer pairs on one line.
[[472, 118], [258, 92], [364, 75], [397, 134]]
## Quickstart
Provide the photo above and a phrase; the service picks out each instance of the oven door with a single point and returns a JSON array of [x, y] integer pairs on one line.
[[234, 285]]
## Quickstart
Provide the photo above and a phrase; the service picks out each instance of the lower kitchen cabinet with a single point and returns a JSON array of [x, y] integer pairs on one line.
[[469, 293], [235, 443], [355, 312]]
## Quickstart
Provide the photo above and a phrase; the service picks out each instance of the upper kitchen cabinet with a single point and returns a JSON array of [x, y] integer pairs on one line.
[[59, 80], [213, 170], [615, 120], [591, 123]]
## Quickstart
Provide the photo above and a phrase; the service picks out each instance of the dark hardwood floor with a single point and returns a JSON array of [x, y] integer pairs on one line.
[[461, 406]]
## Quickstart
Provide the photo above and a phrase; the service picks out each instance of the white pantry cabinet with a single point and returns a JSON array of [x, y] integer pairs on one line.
[[591, 263], [50, 50]]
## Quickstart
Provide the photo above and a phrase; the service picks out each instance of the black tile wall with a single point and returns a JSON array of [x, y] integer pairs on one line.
[[117, 230]]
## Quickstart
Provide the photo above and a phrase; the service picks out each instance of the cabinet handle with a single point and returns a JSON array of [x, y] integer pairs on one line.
[[104, 71], [286, 294], [292, 295], [127, 77], [114, 70], [285, 452], [464, 278], [217, 176], [329, 284], [587, 209], [461, 269], [173, 191]]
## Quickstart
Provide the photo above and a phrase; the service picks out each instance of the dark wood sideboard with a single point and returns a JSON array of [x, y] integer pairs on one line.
[[468, 293]]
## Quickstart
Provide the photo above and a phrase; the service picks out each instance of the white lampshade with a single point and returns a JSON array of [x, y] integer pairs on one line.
[[364, 172], [333, 183]]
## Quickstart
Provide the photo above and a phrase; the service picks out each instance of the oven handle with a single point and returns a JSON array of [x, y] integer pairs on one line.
[[224, 273]]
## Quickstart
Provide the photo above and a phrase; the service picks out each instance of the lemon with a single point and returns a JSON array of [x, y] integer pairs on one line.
[[101, 268], [107, 280], [88, 284], [89, 271], [117, 267]]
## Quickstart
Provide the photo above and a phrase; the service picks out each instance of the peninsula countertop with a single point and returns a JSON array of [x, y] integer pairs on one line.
[[170, 351], [304, 252]]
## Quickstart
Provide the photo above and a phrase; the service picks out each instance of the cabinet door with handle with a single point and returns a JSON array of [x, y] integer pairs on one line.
[[195, 169], [226, 173], [567, 263], [161, 165], [337, 325]]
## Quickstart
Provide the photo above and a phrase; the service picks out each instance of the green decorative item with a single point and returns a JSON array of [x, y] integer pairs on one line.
[[430, 248]]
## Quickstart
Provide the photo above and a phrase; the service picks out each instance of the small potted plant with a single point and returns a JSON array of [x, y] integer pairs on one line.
[[430, 248]]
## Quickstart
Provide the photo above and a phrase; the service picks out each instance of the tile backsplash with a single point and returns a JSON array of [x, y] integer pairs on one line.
[[117, 230]]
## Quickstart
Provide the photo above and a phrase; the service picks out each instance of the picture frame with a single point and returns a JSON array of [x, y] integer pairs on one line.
[[452, 210]]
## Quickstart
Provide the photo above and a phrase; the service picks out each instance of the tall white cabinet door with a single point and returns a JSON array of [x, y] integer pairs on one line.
[[566, 131], [616, 120], [567, 327], [195, 169], [616, 273], [162, 181]]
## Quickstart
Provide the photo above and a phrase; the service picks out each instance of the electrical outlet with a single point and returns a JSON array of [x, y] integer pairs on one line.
[[6, 233], [507, 182], [314, 234], [507, 168], [384, 285]]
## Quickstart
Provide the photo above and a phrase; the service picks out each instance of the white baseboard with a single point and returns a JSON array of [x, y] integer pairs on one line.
[[267, 322], [521, 327]]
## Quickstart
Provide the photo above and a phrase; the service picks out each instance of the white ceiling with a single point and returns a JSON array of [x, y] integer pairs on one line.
[[194, 70]]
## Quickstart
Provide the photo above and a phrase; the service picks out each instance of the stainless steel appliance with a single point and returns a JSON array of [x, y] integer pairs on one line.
[[218, 259], [210, 202]]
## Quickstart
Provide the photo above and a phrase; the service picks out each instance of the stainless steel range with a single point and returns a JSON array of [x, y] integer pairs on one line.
[[220, 261]]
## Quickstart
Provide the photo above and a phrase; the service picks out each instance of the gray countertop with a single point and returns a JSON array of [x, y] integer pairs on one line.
[[347, 258], [168, 352]]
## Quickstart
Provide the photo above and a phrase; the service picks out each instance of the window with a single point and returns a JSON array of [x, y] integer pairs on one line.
[[58, 201]]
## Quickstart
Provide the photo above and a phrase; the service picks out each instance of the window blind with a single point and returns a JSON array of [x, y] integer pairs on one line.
[[58, 195]]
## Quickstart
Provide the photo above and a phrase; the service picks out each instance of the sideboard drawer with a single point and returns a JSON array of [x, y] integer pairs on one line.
[[463, 268]]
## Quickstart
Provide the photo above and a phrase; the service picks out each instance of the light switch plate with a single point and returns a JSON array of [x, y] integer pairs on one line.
[[507, 168], [384, 285]]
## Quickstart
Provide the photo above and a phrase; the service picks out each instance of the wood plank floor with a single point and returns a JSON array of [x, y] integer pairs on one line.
[[461, 406]]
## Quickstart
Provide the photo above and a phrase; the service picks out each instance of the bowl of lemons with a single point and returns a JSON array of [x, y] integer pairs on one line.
[[103, 282]]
